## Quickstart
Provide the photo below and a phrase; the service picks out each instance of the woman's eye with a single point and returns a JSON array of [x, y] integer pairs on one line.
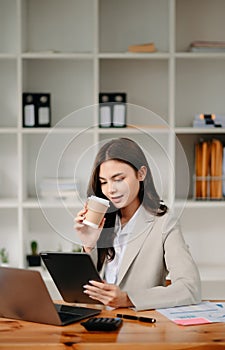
[[118, 180], [102, 183]]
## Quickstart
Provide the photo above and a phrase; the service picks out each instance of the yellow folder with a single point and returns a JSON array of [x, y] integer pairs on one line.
[[216, 169]]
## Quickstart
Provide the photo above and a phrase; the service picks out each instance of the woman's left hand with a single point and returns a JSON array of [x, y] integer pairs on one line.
[[107, 294]]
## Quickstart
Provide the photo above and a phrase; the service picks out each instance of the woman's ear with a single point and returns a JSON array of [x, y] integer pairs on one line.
[[142, 173]]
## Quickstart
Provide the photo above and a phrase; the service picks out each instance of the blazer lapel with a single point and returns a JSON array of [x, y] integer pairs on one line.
[[142, 228]]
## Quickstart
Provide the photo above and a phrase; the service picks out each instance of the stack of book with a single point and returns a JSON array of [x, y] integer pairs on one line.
[[209, 121], [142, 48], [207, 46], [58, 188], [209, 170]]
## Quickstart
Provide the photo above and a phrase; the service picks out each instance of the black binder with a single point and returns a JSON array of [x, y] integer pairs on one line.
[[112, 110], [36, 109]]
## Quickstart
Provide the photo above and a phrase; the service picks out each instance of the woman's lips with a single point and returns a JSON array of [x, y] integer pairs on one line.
[[116, 199]]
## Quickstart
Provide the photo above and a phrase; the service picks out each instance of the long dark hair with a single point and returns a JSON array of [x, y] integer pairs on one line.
[[129, 152]]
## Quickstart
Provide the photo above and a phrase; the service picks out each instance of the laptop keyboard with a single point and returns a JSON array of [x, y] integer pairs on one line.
[[64, 317], [71, 314], [67, 313], [66, 309]]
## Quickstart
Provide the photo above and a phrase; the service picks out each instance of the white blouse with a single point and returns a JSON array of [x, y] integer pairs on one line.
[[123, 235]]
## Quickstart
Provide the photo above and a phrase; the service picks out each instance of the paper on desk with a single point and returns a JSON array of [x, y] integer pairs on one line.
[[205, 312]]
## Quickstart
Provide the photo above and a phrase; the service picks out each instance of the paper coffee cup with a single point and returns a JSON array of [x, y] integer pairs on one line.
[[96, 209]]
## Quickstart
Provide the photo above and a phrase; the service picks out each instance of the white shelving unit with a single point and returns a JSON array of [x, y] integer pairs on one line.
[[75, 49]]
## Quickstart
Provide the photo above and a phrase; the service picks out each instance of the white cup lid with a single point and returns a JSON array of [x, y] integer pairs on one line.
[[100, 200]]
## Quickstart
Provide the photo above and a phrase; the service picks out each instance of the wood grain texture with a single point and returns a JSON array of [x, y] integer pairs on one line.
[[133, 335]]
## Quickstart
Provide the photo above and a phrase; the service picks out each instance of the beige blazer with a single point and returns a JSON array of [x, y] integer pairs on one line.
[[157, 248]]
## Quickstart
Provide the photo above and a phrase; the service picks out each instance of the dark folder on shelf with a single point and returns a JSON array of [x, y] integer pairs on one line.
[[36, 109], [112, 109]]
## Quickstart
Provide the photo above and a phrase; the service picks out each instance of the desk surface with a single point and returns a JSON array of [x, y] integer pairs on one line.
[[164, 334]]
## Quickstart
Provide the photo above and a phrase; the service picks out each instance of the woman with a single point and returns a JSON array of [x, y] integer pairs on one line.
[[135, 247]]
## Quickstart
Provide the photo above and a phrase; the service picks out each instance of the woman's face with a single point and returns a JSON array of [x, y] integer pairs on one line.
[[120, 183]]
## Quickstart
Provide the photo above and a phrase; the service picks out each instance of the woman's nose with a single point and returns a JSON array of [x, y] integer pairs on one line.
[[111, 187]]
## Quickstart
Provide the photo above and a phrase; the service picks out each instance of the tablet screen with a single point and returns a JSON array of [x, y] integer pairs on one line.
[[70, 272]]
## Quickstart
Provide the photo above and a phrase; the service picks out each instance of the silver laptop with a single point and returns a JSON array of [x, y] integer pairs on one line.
[[24, 296]]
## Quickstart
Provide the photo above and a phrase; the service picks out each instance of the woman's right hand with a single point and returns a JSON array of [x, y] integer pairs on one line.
[[87, 234]]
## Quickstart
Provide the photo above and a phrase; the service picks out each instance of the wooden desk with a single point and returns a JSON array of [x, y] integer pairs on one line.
[[164, 334]]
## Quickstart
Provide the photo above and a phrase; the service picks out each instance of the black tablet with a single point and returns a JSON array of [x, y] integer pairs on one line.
[[70, 272]]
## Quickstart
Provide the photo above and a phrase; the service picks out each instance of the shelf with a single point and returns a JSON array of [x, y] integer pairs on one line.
[[34, 203], [71, 95], [201, 204], [188, 130], [55, 130], [203, 77], [153, 98], [135, 129], [8, 56], [210, 27], [59, 27], [134, 56], [8, 130], [200, 55], [6, 203], [135, 23], [58, 55]]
